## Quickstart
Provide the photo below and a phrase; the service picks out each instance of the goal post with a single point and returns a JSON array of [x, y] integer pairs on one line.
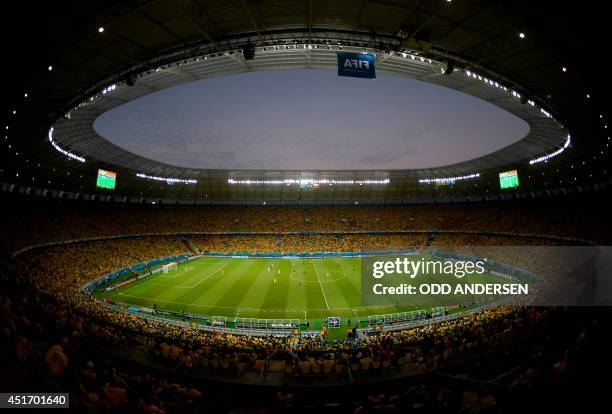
[[169, 266]]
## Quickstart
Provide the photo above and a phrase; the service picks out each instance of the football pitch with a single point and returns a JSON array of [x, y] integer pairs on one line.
[[299, 288]]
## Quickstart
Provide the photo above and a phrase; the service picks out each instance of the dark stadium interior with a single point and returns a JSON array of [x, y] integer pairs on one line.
[[63, 236]]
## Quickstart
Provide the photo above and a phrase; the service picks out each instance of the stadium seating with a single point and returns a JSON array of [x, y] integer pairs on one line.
[[44, 285], [54, 221]]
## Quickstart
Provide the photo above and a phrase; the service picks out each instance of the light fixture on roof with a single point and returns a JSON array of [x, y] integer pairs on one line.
[[447, 68], [448, 180], [564, 69], [168, 180], [546, 157], [66, 153], [522, 35], [100, 29], [50, 68], [307, 181]]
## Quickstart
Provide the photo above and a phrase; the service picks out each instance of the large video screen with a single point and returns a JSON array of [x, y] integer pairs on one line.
[[508, 179], [106, 179]]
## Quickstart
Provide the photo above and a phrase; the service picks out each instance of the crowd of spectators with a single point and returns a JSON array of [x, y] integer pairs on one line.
[[307, 243], [60, 271], [46, 220], [49, 336], [83, 349], [63, 269], [50, 327]]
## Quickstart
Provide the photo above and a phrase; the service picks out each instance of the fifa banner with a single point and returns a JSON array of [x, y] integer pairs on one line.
[[356, 65], [467, 276]]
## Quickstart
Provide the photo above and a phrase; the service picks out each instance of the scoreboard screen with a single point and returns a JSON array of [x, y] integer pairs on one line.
[[106, 179], [508, 179]]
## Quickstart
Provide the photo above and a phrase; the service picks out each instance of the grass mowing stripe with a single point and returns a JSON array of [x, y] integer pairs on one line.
[[278, 293], [251, 305], [299, 294], [206, 293], [347, 291], [240, 285]]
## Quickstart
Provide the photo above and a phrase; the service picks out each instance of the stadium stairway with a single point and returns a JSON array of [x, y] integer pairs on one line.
[[430, 238], [192, 247]]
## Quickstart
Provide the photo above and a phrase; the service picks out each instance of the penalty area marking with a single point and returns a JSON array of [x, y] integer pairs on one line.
[[207, 277], [151, 282]]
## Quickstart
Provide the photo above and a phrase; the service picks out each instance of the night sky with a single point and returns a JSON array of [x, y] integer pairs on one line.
[[309, 119]]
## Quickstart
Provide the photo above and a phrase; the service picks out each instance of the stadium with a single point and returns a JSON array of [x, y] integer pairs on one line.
[[310, 206]]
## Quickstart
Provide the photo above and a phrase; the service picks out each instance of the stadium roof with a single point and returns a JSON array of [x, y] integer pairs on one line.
[[75, 131], [83, 49]]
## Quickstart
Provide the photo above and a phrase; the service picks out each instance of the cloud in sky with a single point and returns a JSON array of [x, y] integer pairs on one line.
[[309, 119]]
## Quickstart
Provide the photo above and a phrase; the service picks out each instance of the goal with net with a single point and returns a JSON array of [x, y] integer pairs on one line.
[[168, 267]]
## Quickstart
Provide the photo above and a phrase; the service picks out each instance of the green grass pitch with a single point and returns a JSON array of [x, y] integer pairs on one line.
[[304, 289]]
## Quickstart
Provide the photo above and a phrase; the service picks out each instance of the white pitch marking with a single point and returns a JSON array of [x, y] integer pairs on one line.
[[207, 277], [151, 282], [320, 284], [164, 285]]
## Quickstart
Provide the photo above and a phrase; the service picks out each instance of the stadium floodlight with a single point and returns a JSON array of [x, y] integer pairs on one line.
[[50, 68], [63, 151], [168, 180], [100, 29], [108, 89], [308, 181], [546, 157], [522, 35], [448, 180]]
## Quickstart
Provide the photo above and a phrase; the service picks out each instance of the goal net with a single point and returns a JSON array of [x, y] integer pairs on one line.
[[168, 267]]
